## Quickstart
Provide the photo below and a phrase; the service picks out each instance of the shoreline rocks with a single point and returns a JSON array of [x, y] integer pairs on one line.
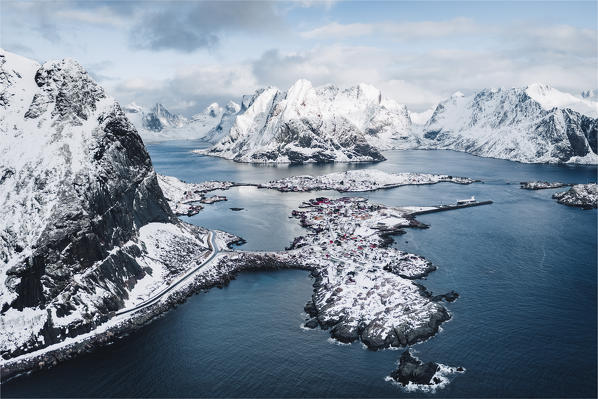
[[413, 374], [580, 195], [412, 370], [363, 288]]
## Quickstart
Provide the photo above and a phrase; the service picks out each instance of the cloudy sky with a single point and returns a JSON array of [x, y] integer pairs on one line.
[[186, 54]]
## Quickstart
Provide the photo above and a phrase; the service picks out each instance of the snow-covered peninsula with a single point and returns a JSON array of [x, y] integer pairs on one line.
[[183, 197]]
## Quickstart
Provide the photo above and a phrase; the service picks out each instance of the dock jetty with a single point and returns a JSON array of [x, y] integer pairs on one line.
[[441, 208]]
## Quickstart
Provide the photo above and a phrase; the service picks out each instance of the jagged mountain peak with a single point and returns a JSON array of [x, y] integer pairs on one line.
[[233, 107], [312, 124], [522, 124], [590, 94], [214, 110], [78, 191], [161, 110]]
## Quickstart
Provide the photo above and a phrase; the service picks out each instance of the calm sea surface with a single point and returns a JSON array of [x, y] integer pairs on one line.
[[524, 325]]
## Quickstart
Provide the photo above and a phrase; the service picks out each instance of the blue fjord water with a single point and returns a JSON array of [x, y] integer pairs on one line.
[[524, 325]]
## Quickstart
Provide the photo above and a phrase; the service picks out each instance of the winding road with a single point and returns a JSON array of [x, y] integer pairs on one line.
[[152, 300]]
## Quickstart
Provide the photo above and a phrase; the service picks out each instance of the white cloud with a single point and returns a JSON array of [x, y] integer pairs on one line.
[[99, 16], [335, 30], [396, 30], [190, 88]]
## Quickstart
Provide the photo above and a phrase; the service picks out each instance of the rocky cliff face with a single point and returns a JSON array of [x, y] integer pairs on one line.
[[77, 189], [516, 124], [307, 124], [326, 124]]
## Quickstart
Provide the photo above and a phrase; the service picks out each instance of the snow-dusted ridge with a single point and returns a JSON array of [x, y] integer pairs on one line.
[[549, 97], [534, 124], [512, 124]]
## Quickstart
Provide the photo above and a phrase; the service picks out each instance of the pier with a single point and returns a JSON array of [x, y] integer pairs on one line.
[[441, 208]]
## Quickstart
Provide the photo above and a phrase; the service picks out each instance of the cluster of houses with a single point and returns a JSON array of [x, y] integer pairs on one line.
[[362, 280], [349, 229]]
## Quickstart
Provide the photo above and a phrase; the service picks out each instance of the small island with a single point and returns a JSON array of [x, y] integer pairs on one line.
[[184, 197], [414, 374], [580, 195], [541, 185], [360, 180]]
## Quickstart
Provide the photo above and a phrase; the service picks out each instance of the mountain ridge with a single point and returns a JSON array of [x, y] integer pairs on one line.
[[527, 124], [82, 209]]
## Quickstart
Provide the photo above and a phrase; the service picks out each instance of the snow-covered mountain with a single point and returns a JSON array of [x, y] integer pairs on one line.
[[307, 124], [519, 124], [590, 94], [159, 119], [226, 121], [421, 118], [159, 124], [85, 227], [549, 98]]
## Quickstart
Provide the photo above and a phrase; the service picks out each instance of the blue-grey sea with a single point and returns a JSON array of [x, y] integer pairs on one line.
[[523, 326]]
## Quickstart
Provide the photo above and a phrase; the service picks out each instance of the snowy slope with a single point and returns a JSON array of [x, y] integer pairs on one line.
[[307, 124], [421, 118], [549, 98], [217, 133], [77, 190], [510, 124]]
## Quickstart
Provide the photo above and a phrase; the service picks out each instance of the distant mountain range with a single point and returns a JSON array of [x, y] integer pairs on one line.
[[159, 124], [537, 123]]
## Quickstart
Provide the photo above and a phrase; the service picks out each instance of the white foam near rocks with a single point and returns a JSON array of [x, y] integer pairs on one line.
[[445, 374]]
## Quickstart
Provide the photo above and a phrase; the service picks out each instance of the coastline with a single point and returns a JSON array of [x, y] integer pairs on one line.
[[228, 264]]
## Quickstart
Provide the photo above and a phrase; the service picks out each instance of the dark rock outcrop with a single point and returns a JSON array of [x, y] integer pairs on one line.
[[413, 370]]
